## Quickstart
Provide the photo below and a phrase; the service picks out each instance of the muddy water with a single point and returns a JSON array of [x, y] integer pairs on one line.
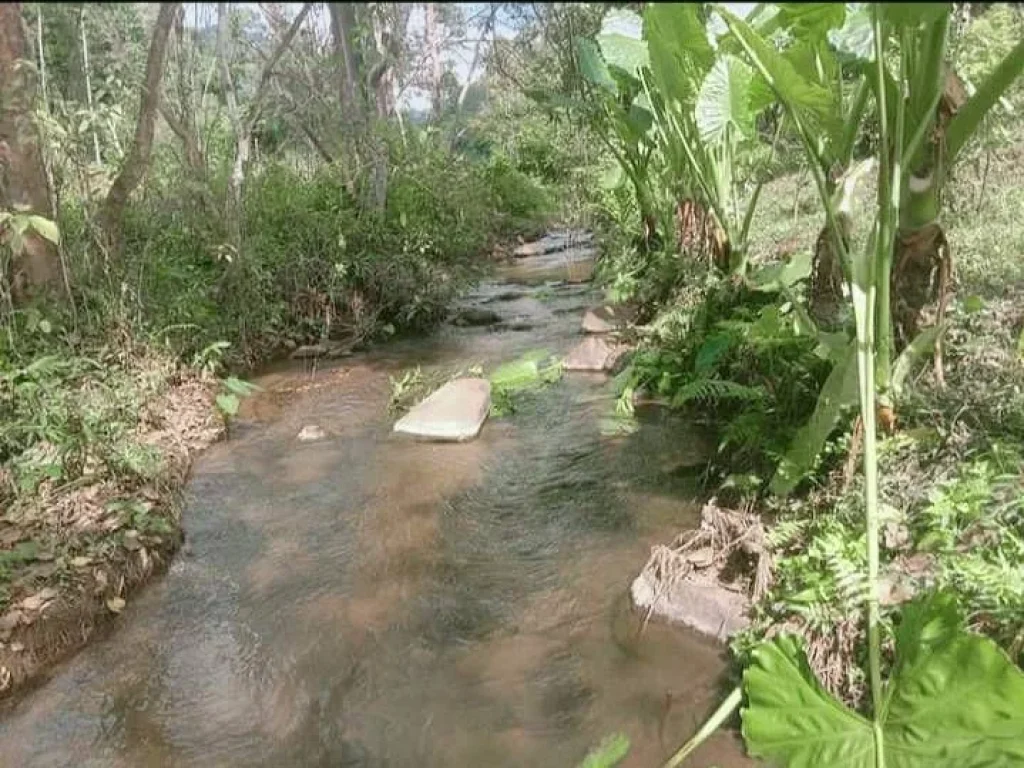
[[370, 601]]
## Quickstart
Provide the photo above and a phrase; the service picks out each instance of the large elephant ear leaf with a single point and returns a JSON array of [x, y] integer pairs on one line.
[[593, 67], [621, 41], [805, 99], [724, 100], [791, 720], [811, 20], [680, 51], [956, 700]]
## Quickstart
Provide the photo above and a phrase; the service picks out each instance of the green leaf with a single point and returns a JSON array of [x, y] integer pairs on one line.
[[854, 41], [228, 404], [839, 391], [593, 67], [237, 386], [973, 303], [621, 41], [809, 102], [954, 700], [680, 52], [724, 100], [779, 276], [611, 751], [807, 20], [44, 228], [792, 720], [914, 14], [915, 350]]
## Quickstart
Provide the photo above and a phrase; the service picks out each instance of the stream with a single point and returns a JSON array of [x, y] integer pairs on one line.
[[368, 600]]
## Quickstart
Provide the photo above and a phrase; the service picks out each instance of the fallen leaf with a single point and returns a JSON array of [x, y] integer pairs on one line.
[[116, 604], [17, 647], [81, 562]]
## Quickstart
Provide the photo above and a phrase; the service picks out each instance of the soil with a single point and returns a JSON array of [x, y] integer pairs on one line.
[[91, 545]]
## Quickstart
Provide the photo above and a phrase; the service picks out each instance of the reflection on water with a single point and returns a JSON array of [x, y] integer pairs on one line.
[[370, 601]]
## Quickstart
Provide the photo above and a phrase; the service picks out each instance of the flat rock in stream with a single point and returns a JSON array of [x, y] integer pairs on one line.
[[455, 412], [475, 316], [331, 350], [605, 319], [594, 354], [706, 607], [553, 242]]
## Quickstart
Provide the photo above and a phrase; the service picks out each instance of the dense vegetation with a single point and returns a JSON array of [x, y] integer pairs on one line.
[[814, 209]]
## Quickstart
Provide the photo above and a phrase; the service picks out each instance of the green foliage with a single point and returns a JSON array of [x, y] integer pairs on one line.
[[952, 699], [610, 752], [532, 371]]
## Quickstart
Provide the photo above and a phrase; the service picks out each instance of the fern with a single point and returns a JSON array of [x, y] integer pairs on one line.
[[716, 390]]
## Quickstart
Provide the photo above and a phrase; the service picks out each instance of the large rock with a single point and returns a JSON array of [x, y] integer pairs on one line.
[[594, 354], [455, 412], [605, 319], [707, 607]]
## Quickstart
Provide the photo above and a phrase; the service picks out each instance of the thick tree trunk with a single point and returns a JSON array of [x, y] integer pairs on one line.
[[137, 162], [22, 174]]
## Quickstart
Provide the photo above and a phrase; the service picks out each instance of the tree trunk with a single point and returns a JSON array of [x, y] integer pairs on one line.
[[433, 44], [137, 162], [350, 93], [22, 175]]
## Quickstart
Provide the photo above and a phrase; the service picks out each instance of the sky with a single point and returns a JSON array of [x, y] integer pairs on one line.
[[460, 57]]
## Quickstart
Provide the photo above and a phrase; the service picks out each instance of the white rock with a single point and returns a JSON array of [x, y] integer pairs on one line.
[[311, 432], [455, 412], [708, 608]]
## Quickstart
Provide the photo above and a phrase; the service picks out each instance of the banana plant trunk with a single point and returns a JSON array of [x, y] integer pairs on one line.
[[699, 232]]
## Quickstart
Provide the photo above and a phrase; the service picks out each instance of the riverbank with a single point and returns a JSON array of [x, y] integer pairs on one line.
[[95, 513]]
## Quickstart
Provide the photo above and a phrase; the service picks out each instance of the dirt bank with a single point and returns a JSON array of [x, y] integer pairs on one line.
[[72, 555]]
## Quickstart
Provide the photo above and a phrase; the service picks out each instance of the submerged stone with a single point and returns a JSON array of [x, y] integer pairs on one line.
[[476, 316], [311, 433], [455, 412]]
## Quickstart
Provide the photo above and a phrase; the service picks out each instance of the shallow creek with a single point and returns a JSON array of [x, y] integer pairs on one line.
[[367, 600]]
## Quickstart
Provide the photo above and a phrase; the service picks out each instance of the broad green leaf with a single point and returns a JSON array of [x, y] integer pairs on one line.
[[839, 391], [724, 100], [610, 752], [777, 276], [954, 700], [808, 20], [680, 52], [621, 41], [592, 66], [854, 41], [915, 350], [791, 720], [45, 228], [809, 102]]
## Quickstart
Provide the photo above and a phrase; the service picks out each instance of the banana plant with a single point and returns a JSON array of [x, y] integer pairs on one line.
[[952, 698]]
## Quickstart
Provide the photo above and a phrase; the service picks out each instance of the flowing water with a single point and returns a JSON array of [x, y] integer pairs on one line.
[[372, 601]]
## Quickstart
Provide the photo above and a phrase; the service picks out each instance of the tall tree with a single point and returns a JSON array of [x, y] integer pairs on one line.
[[433, 45], [137, 162], [36, 268]]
